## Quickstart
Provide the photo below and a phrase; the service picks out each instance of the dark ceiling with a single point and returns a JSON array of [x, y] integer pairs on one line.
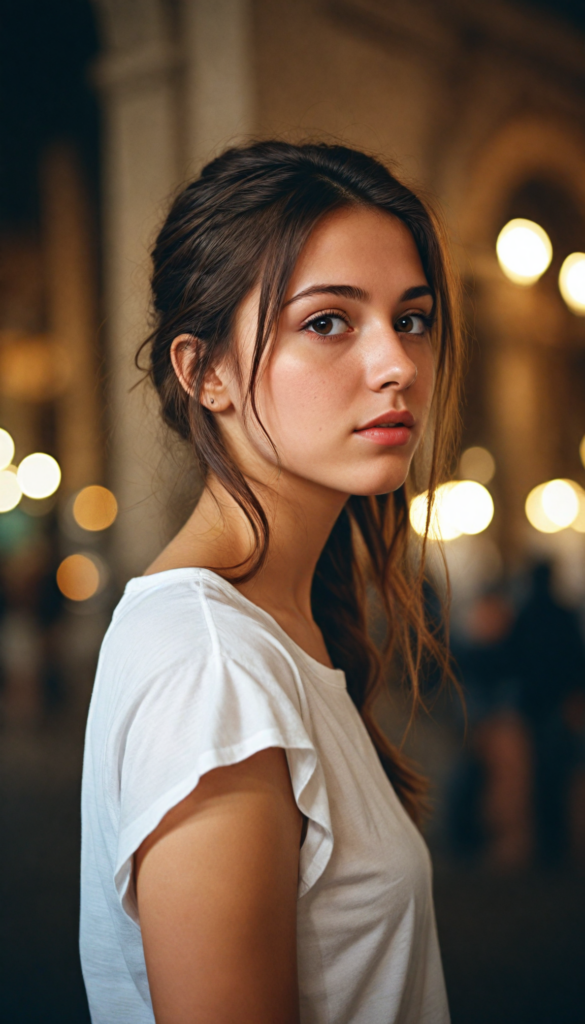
[[46, 47], [571, 11]]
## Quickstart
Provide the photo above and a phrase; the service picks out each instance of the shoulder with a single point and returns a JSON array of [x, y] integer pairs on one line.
[[180, 622]]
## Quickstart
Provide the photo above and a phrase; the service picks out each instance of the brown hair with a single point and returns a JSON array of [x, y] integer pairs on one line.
[[243, 221]]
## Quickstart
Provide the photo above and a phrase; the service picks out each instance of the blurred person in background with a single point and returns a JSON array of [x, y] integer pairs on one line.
[[241, 809], [548, 660], [489, 801]]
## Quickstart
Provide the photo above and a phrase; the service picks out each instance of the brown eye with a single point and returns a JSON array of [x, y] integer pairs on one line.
[[412, 324], [327, 325]]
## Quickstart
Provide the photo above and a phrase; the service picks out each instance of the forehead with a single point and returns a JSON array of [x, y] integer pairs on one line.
[[360, 246]]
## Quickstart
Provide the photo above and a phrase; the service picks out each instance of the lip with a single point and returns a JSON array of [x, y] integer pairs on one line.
[[379, 431], [402, 416]]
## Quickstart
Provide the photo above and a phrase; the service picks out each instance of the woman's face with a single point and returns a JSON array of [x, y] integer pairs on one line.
[[345, 391]]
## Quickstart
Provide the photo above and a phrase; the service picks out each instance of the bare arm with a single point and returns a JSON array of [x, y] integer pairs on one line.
[[216, 890]]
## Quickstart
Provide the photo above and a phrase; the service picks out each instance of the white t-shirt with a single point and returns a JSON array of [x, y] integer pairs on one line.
[[191, 676]]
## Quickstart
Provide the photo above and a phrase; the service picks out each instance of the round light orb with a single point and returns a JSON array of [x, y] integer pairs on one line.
[[554, 505], [578, 523], [95, 508], [6, 449], [572, 282], [442, 525], [477, 464], [471, 506], [560, 502], [78, 577], [10, 491], [39, 475], [524, 251], [535, 513]]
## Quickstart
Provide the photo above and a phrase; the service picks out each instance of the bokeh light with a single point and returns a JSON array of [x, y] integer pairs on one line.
[[572, 282], [461, 506], [95, 508], [560, 502], [535, 513], [582, 450], [471, 506], [554, 505], [10, 490], [477, 464], [578, 523], [441, 526], [78, 577], [524, 251], [6, 449], [39, 475]]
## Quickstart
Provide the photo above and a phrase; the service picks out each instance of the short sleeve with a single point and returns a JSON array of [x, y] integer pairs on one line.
[[202, 713]]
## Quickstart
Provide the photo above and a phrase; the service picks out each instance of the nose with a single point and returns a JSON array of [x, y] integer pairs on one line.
[[388, 364]]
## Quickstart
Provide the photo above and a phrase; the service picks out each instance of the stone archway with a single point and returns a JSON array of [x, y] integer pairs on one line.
[[521, 149], [527, 338]]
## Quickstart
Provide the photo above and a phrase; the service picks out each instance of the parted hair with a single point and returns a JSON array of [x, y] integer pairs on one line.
[[244, 222]]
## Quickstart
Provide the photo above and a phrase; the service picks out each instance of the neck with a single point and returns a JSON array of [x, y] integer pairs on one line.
[[301, 516]]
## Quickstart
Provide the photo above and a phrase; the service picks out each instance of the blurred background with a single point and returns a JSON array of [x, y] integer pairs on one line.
[[105, 108]]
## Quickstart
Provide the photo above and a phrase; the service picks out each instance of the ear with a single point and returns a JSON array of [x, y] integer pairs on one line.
[[214, 394]]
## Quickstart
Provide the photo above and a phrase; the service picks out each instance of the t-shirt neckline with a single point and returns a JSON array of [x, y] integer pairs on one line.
[[331, 676]]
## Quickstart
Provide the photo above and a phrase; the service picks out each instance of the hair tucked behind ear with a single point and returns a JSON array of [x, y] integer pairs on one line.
[[243, 221]]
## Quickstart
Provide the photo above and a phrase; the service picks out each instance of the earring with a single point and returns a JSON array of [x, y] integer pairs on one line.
[[211, 401]]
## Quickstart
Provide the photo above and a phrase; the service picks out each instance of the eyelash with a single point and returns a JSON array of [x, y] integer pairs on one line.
[[326, 312], [428, 320]]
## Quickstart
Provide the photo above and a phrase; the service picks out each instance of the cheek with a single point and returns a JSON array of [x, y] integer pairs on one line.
[[297, 394]]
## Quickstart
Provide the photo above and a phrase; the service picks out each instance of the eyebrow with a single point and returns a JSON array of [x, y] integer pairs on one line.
[[349, 291], [345, 291], [417, 292]]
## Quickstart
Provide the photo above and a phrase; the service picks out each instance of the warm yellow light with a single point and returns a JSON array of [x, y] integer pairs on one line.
[[471, 506], [442, 525], [461, 506], [477, 464], [78, 577], [10, 492], [553, 506], [572, 282], [578, 523], [39, 475], [524, 250], [6, 449], [95, 508], [418, 512], [582, 450], [560, 502], [535, 513]]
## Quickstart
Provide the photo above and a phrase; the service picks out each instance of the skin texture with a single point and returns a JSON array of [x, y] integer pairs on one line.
[[216, 881], [217, 885]]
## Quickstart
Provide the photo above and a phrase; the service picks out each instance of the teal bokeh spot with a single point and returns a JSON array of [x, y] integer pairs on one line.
[[16, 528]]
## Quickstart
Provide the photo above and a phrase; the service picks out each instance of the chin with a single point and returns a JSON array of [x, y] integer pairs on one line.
[[373, 483], [381, 479]]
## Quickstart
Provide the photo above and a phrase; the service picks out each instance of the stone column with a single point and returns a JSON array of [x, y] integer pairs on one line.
[[173, 94], [219, 78], [137, 79], [68, 245]]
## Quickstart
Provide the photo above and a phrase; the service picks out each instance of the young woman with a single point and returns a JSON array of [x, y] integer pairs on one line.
[[249, 852]]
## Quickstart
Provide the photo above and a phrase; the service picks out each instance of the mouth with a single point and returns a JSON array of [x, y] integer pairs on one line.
[[392, 428]]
